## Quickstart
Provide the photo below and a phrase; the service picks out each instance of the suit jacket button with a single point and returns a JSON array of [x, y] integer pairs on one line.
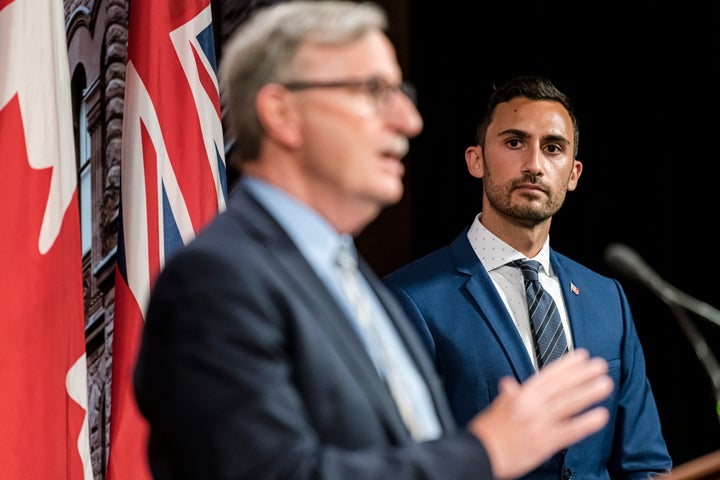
[[567, 474]]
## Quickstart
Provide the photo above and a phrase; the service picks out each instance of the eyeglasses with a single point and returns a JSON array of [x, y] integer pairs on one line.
[[378, 88]]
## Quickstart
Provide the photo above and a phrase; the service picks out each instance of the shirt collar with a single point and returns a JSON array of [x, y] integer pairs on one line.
[[314, 236], [495, 253]]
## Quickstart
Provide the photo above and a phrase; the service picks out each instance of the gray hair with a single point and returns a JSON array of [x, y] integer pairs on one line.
[[263, 47]]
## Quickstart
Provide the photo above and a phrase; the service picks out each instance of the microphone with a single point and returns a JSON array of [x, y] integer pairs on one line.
[[630, 264]]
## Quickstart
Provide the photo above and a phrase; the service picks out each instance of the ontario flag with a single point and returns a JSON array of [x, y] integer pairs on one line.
[[43, 374], [173, 182]]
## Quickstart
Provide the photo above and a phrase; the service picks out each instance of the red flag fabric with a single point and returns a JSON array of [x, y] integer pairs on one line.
[[43, 405], [173, 182]]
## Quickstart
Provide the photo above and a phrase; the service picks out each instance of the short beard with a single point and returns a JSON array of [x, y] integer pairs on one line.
[[525, 214]]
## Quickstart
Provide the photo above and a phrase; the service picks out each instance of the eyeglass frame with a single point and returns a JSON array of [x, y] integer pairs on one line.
[[377, 87]]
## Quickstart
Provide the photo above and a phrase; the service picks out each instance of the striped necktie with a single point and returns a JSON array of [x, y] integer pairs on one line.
[[545, 323]]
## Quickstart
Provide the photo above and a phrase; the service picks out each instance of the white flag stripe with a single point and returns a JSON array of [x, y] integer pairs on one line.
[[210, 122], [134, 200]]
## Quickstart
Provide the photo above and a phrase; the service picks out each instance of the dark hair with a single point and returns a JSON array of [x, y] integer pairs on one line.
[[533, 87]]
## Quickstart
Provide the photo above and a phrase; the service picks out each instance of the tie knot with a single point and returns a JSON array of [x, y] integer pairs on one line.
[[529, 269]]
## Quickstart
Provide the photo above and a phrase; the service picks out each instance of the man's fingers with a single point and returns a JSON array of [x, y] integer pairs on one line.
[[580, 426], [570, 371]]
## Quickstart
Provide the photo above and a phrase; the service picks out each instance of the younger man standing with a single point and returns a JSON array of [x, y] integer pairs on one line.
[[468, 299]]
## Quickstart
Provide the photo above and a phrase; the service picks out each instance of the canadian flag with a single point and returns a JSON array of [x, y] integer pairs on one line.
[[43, 374]]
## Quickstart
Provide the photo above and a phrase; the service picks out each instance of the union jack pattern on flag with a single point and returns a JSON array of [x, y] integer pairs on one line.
[[43, 405], [173, 183]]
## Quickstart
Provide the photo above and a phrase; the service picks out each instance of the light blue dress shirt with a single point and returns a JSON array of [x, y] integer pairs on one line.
[[319, 243]]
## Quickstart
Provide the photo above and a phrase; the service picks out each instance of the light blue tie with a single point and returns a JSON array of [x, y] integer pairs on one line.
[[391, 359], [545, 323]]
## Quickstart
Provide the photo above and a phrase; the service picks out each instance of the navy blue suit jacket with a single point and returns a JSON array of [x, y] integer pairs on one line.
[[249, 368], [452, 301]]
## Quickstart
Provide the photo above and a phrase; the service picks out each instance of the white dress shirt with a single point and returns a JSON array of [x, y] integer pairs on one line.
[[495, 255]]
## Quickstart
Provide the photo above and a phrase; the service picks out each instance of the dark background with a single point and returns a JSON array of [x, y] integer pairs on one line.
[[642, 75]]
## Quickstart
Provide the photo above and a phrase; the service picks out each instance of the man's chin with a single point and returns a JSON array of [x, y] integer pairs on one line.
[[393, 195]]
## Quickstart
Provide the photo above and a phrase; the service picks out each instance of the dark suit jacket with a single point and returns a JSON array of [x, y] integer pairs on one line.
[[452, 301], [249, 369]]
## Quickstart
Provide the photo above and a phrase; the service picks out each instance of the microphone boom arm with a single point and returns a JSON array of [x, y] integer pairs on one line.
[[698, 307], [702, 351], [631, 265]]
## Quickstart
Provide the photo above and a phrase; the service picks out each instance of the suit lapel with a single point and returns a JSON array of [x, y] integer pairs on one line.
[[488, 303], [414, 347], [340, 331], [329, 317], [574, 294]]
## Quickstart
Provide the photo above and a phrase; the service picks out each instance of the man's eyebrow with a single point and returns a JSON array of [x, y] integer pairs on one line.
[[556, 139], [514, 132]]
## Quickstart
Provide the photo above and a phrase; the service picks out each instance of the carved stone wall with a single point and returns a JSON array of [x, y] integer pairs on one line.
[[97, 48]]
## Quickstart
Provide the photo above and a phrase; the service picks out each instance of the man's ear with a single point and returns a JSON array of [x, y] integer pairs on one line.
[[277, 112], [474, 160], [574, 175]]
